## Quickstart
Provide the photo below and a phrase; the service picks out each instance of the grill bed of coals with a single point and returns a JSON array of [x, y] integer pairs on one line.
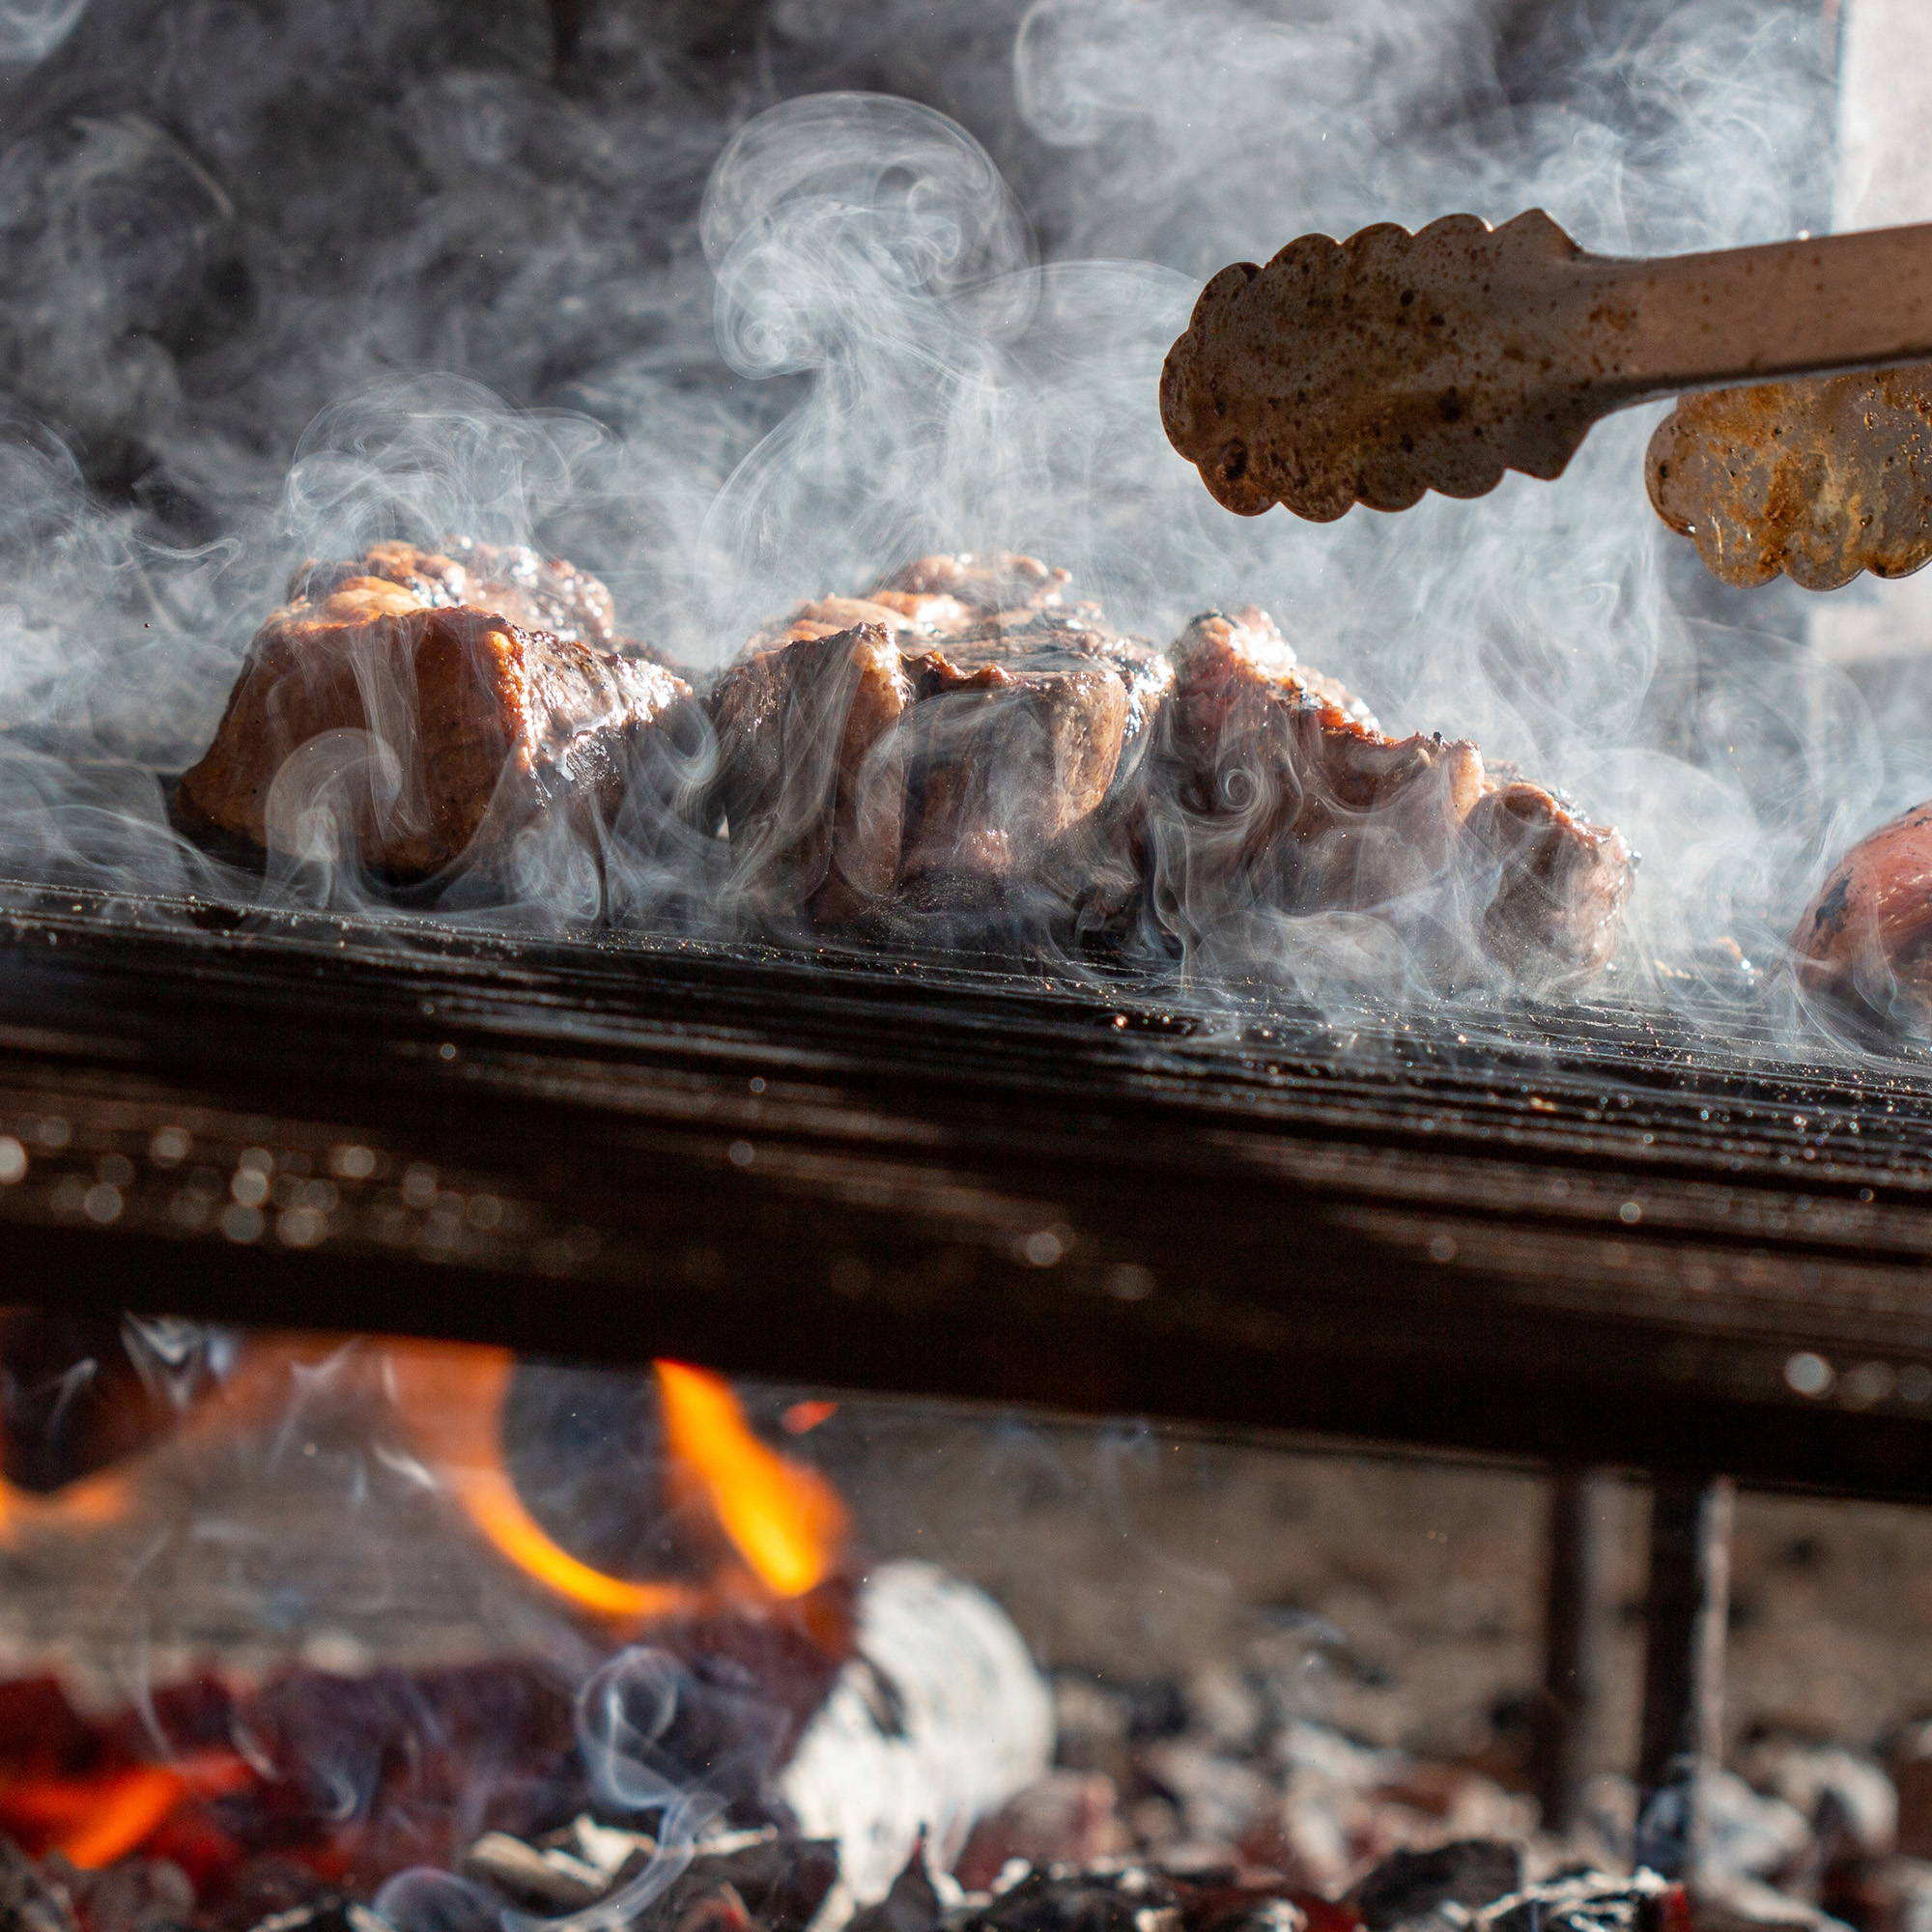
[[1578, 1232], [1218, 1811], [761, 1882]]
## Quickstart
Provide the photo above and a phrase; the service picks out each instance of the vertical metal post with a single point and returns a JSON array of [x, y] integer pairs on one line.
[[567, 21], [1576, 1643], [1686, 1609]]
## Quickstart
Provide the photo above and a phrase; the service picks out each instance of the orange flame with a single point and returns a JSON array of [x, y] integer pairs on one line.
[[452, 1396], [784, 1520]]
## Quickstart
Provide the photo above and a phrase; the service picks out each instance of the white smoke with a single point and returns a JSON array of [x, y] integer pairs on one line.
[[30, 30], [498, 305]]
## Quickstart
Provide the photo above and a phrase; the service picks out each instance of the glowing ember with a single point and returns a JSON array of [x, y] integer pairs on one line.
[[95, 1819], [86, 1502], [783, 1520]]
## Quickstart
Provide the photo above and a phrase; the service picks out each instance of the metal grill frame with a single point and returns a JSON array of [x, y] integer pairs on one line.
[[1586, 1236]]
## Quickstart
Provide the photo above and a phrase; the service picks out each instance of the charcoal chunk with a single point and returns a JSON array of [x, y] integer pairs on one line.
[[328, 1915], [913, 1904], [1410, 1886], [1063, 1898], [29, 1900], [1589, 1902], [782, 1880], [135, 1895]]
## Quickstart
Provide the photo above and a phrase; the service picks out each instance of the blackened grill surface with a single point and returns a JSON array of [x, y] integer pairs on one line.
[[1587, 1232]]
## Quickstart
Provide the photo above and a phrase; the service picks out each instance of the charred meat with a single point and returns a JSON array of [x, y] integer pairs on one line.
[[433, 730], [937, 596], [961, 740], [931, 744], [999, 584], [809, 792], [1554, 885], [1276, 790], [1289, 786], [1021, 736], [824, 616]]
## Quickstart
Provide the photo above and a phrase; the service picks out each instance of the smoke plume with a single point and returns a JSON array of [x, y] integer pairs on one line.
[[738, 305]]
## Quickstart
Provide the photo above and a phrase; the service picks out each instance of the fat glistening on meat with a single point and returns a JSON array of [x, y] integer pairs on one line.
[[960, 745]]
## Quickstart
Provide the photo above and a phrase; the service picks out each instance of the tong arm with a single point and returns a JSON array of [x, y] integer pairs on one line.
[[1372, 369]]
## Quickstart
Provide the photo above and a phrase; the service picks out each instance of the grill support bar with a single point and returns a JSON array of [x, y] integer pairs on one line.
[[1686, 1609], [1576, 1635]]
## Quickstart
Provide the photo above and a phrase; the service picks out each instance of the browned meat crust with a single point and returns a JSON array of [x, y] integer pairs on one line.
[[935, 596], [1001, 582], [859, 763], [824, 616], [468, 725], [1020, 738], [1290, 797], [533, 592], [1290, 786]]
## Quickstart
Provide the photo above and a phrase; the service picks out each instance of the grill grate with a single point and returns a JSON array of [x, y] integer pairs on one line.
[[1580, 1234]]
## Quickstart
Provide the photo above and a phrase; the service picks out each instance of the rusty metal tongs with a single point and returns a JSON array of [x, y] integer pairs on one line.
[[1374, 369]]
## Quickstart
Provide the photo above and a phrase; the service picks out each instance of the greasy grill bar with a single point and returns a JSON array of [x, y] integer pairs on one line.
[[1590, 1235]]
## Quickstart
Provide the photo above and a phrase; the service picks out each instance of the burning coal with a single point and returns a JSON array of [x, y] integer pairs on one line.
[[713, 1714], [719, 1665]]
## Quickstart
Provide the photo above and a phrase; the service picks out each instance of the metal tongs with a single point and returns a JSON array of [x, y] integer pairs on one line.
[[1370, 370]]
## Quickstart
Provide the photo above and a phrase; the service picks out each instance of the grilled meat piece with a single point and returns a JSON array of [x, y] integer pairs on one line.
[[1001, 583], [1866, 940], [1021, 736], [535, 593], [1291, 788], [855, 764], [436, 731], [1283, 793], [811, 794], [1555, 909]]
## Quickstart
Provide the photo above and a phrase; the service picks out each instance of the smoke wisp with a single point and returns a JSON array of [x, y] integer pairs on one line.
[[738, 310]]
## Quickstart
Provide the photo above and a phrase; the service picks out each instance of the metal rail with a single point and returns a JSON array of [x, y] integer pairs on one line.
[[1588, 1237]]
